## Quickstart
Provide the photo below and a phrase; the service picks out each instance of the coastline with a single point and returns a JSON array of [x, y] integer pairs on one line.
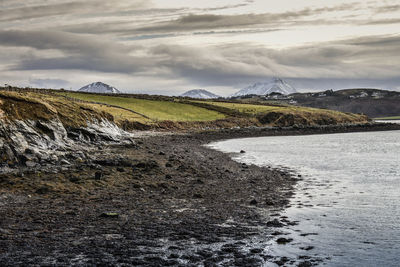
[[168, 200]]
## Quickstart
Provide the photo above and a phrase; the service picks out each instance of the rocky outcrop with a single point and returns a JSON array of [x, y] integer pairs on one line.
[[43, 130], [30, 144]]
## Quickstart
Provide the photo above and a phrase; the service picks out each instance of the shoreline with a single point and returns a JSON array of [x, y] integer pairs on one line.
[[168, 200]]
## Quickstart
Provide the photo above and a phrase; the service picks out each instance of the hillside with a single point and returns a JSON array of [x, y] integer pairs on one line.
[[372, 102], [202, 113], [155, 112], [38, 106]]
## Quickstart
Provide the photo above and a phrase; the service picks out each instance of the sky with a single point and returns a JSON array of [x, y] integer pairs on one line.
[[169, 46]]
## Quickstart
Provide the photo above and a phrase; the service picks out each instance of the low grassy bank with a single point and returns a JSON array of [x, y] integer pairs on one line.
[[388, 118], [286, 115], [160, 112], [38, 106]]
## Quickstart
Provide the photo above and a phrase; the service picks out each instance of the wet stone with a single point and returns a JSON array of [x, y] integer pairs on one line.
[[109, 215], [275, 223], [256, 250], [253, 202], [74, 179], [43, 190], [98, 175], [305, 264], [283, 240]]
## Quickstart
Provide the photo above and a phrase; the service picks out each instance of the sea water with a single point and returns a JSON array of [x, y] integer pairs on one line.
[[348, 203]]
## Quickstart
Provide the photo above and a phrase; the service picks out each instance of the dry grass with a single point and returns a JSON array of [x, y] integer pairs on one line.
[[37, 106]]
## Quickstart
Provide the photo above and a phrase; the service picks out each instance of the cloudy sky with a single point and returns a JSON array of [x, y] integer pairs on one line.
[[170, 46]]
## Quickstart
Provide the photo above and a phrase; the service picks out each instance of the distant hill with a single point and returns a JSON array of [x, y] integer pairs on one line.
[[372, 102], [99, 87], [200, 93], [275, 85]]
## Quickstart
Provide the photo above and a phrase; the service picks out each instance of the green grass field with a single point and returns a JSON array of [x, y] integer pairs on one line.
[[154, 109], [121, 114], [388, 118]]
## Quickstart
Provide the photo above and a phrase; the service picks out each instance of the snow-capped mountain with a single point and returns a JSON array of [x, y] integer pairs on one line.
[[200, 93], [99, 87], [276, 85]]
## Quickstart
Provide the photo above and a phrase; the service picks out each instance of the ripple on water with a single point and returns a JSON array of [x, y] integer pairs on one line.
[[347, 203]]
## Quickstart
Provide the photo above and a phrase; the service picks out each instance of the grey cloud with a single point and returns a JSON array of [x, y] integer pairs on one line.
[[58, 40], [66, 8], [359, 58], [388, 8], [208, 21], [48, 83], [80, 52], [129, 31], [245, 3], [223, 65], [381, 21], [377, 42]]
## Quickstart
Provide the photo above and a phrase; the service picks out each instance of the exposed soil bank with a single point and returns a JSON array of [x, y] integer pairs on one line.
[[167, 200]]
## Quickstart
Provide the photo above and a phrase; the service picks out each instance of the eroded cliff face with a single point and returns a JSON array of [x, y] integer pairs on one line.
[[45, 131], [33, 144]]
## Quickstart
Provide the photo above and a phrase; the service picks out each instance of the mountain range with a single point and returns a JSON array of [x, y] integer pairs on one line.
[[275, 85], [99, 87]]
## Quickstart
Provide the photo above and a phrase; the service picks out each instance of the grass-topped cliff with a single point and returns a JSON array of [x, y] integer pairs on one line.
[[158, 112], [42, 106]]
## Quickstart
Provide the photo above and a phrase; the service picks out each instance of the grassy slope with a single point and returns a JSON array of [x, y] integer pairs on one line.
[[389, 118], [156, 110], [120, 115], [161, 112], [36, 106], [298, 115], [254, 109]]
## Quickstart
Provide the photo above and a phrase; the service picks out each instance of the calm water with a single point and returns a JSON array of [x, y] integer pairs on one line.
[[349, 200]]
